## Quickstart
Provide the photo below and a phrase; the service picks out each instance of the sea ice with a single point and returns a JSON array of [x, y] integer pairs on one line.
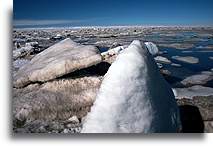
[[198, 79], [115, 50], [20, 62], [58, 36], [153, 49], [175, 65], [19, 52], [60, 59], [186, 59], [33, 44], [162, 60], [178, 45], [160, 65], [205, 47], [190, 92], [134, 97]]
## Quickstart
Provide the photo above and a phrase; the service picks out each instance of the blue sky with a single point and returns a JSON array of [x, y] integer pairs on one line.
[[40, 13]]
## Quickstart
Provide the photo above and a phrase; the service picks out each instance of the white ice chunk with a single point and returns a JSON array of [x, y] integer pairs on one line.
[[113, 51], [162, 60], [133, 97], [153, 49], [187, 59]]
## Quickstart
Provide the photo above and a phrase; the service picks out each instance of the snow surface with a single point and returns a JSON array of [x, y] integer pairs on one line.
[[115, 50], [133, 97], [153, 49]]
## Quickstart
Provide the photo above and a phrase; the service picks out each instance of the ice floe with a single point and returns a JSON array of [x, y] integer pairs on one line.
[[186, 59], [205, 47], [175, 65], [33, 44], [19, 52], [177, 45], [160, 65], [153, 49], [58, 36], [198, 79], [190, 92], [161, 59], [60, 59], [113, 51]]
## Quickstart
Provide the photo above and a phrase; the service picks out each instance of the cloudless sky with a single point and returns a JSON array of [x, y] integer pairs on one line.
[[113, 12]]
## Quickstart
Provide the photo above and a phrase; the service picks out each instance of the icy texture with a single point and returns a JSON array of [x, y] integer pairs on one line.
[[31, 44], [20, 62], [176, 65], [198, 79], [153, 49], [55, 100], [22, 51], [160, 65], [193, 91], [133, 98], [60, 59], [162, 60], [187, 59], [113, 51]]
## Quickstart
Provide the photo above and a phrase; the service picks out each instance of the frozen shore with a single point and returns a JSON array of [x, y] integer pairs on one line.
[[47, 98]]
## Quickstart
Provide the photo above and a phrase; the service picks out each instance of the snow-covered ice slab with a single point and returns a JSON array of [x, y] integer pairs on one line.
[[190, 92], [198, 79], [60, 59], [162, 60], [153, 49], [134, 97], [113, 51], [187, 59]]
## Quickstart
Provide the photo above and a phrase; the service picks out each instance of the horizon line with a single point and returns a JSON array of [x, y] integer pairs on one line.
[[108, 26]]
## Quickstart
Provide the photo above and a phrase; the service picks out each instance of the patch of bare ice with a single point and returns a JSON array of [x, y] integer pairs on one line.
[[186, 59], [161, 59], [193, 91]]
